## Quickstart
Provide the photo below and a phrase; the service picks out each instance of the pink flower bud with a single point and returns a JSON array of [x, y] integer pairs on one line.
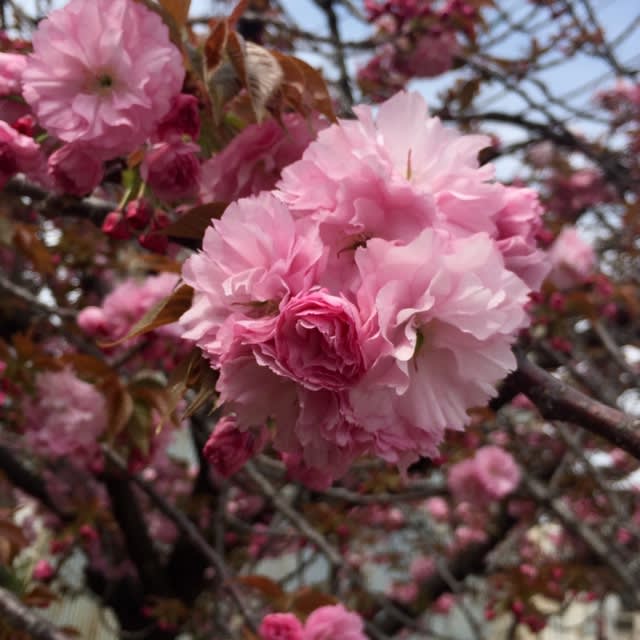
[[182, 120], [155, 242], [43, 571], [75, 169], [139, 213], [172, 170], [116, 226]]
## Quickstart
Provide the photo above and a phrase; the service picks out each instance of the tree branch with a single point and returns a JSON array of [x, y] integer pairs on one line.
[[21, 617], [556, 400]]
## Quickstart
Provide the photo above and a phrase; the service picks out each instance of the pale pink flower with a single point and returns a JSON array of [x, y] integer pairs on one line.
[[333, 622], [280, 626], [572, 259], [517, 223], [125, 305], [65, 418], [102, 72], [172, 170], [422, 568], [491, 474], [253, 160], [12, 66], [18, 154], [437, 508], [75, 169], [445, 325], [252, 261], [229, 448], [444, 603]]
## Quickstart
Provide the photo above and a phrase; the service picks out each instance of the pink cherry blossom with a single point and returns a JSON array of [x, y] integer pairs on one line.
[[572, 259], [65, 418], [12, 66], [229, 448], [433, 54], [172, 170], [253, 160], [517, 223], [18, 153], [280, 626], [125, 305], [331, 622], [253, 260], [102, 72], [445, 327], [75, 169], [315, 479], [183, 119], [317, 342], [491, 474]]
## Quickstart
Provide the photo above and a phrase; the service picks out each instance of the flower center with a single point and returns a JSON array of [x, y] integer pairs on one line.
[[105, 81]]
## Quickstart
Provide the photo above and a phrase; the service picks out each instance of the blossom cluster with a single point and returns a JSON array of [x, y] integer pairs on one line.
[[370, 300], [326, 622], [102, 80], [422, 38]]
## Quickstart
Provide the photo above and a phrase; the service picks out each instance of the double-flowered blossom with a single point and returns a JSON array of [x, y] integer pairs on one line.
[[102, 72], [491, 474], [332, 622], [65, 418], [370, 300]]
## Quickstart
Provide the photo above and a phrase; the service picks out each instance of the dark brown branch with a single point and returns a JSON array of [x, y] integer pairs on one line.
[[22, 618], [134, 529], [28, 481], [93, 209], [192, 533], [556, 400]]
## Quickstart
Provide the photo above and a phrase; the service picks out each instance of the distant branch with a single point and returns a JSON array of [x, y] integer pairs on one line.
[[556, 400]]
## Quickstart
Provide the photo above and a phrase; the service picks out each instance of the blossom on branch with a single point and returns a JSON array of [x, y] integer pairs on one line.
[[373, 298], [102, 72]]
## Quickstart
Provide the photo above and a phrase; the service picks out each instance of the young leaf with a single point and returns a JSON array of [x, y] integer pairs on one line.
[[165, 312]]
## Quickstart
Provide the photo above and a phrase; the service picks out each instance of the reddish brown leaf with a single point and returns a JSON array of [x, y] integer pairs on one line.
[[307, 600], [269, 589], [165, 312], [177, 9], [194, 222], [216, 43], [237, 12]]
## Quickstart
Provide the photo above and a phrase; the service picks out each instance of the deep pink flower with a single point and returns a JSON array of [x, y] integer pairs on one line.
[[333, 622], [12, 66], [183, 119], [75, 169], [43, 570], [102, 72], [18, 154], [253, 160], [572, 259], [280, 626], [172, 170], [65, 418], [317, 342], [432, 55], [228, 448]]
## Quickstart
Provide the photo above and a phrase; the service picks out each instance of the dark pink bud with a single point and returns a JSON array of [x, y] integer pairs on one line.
[[116, 226], [139, 213]]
